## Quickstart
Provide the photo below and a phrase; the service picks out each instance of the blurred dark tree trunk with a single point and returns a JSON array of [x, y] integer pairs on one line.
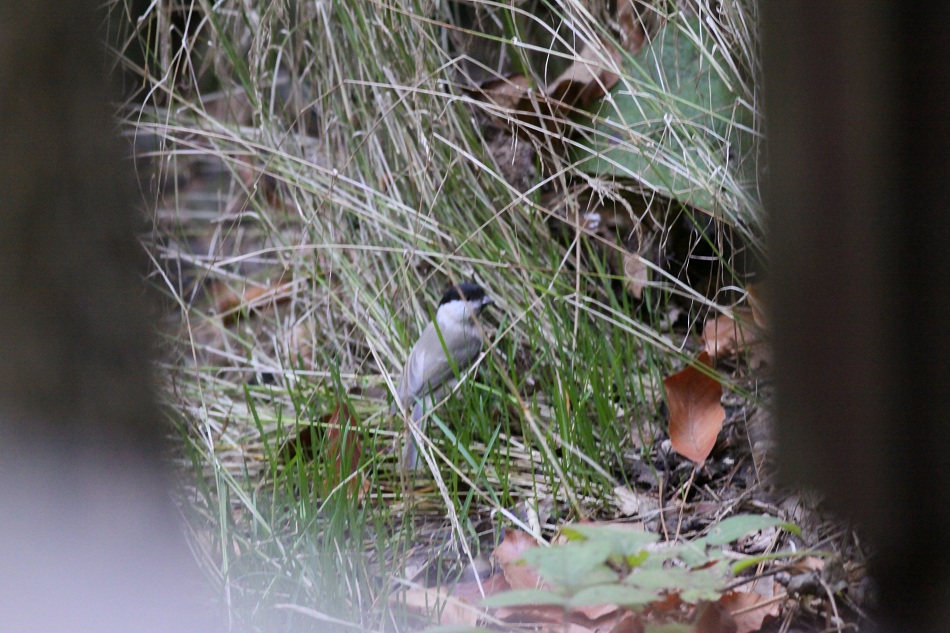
[[91, 538], [858, 110]]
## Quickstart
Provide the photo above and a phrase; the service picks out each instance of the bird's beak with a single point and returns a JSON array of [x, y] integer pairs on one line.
[[484, 303]]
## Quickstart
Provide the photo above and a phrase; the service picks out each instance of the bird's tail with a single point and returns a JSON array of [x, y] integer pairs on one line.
[[410, 456]]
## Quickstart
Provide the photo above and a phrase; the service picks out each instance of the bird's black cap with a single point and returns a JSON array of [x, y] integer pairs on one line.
[[466, 292]]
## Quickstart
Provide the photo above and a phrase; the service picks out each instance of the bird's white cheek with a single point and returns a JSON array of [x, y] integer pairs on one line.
[[452, 313]]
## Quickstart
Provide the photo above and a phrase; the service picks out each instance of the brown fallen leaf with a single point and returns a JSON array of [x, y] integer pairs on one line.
[[300, 444], [229, 304], [257, 180], [627, 622], [343, 450], [633, 34], [607, 612], [342, 454], [508, 555], [636, 274], [712, 617], [519, 101], [508, 92], [617, 620], [807, 564], [638, 22], [696, 413], [759, 315], [750, 609], [436, 604], [471, 593], [565, 627], [531, 614], [665, 606], [727, 335], [584, 81], [542, 111]]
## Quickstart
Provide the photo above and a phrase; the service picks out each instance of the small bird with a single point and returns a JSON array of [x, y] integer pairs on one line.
[[428, 374]]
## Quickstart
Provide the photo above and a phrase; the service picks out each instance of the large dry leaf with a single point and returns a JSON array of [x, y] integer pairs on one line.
[[628, 503], [455, 606], [509, 92], [636, 274], [712, 617], [342, 450], [750, 609], [727, 336], [807, 564], [565, 627], [228, 304], [633, 34], [604, 618], [434, 603], [606, 612], [696, 413], [759, 315], [665, 607], [613, 619], [628, 622], [585, 80], [509, 554], [473, 592], [520, 102]]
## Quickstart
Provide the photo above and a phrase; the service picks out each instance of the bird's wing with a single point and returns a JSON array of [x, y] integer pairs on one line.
[[416, 375], [468, 353], [413, 379], [426, 371]]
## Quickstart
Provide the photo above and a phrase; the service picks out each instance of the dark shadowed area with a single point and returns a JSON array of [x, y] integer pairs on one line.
[[859, 142]]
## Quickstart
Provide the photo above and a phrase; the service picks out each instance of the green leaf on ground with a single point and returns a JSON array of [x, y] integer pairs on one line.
[[623, 595], [574, 565], [524, 597], [623, 541], [674, 121], [691, 585], [736, 527]]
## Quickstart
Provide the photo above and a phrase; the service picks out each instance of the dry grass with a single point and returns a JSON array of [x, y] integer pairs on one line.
[[316, 174]]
